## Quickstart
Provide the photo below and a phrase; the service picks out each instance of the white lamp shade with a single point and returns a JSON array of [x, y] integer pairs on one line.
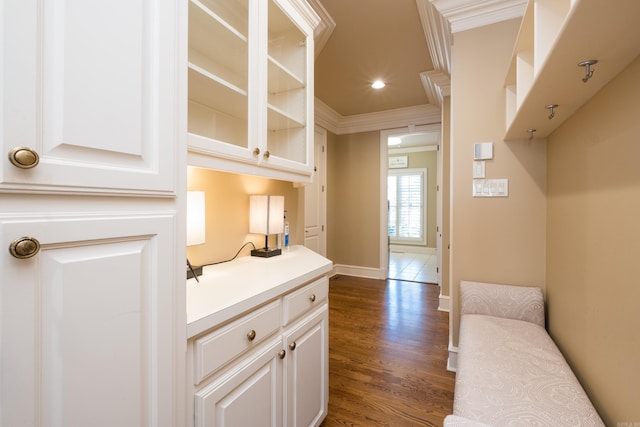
[[195, 218], [266, 214]]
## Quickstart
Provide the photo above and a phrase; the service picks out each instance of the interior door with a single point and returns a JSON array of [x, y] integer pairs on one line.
[[315, 198], [87, 96]]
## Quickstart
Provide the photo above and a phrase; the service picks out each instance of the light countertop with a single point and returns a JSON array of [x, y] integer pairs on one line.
[[229, 289]]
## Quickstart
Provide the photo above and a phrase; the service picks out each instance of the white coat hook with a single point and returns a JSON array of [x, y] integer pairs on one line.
[[552, 113], [588, 72]]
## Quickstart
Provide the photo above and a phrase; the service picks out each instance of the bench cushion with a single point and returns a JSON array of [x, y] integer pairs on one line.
[[512, 302], [509, 372]]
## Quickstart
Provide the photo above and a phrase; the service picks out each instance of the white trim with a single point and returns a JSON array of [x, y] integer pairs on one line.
[[469, 14], [452, 361], [324, 29], [329, 119], [436, 84], [444, 302], [421, 149], [413, 249], [438, 36], [356, 271]]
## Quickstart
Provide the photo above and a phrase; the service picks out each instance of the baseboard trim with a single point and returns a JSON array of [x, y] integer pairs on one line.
[[365, 272], [452, 361], [412, 249], [444, 303]]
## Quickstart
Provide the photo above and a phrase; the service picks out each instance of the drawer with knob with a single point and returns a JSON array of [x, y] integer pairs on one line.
[[304, 299], [219, 347]]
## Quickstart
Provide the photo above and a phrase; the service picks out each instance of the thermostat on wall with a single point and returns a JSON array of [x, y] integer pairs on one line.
[[483, 151]]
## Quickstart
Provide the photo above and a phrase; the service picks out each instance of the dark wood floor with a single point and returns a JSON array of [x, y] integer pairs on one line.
[[387, 354]]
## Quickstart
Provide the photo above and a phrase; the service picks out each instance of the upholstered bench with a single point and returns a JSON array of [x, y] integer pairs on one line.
[[509, 371]]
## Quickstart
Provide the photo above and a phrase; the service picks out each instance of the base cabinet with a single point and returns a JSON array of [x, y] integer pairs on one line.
[[250, 394], [281, 376], [308, 370]]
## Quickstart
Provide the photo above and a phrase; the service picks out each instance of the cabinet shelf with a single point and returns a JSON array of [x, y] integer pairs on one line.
[[281, 78], [553, 39]]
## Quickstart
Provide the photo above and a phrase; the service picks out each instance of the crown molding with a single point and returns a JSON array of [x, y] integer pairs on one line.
[[468, 14], [437, 85], [325, 27], [437, 34], [329, 119]]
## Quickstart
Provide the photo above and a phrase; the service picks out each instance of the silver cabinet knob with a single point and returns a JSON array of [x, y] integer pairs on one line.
[[24, 247], [24, 157]]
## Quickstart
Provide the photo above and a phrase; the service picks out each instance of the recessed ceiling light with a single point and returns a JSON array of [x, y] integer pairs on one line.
[[394, 140], [378, 84]]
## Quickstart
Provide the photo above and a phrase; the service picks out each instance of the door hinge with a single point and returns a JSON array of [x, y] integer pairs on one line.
[[323, 148], [437, 269], [323, 227], [323, 188]]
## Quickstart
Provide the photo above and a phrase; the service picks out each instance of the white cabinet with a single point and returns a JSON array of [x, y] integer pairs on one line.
[[90, 310], [91, 296], [555, 36], [250, 394], [308, 370], [267, 365], [251, 87], [89, 91]]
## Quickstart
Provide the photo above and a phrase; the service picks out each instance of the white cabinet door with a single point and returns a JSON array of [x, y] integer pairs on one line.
[[88, 322], [91, 88], [308, 370], [249, 394]]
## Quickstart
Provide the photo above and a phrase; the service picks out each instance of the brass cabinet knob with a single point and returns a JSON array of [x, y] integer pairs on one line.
[[292, 346], [24, 247], [24, 157], [267, 154], [251, 335], [312, 298], [282, 354], [256, 151]]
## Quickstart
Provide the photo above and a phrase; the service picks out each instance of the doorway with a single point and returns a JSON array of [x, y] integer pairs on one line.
[[411, 213]]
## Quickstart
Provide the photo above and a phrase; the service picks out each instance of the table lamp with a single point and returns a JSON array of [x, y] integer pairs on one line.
[[266, 216]]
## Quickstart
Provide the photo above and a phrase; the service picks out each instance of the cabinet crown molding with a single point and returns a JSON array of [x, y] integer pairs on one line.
[[468, 14]]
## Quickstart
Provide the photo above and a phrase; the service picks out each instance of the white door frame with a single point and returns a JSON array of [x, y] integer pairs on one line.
[[384, 167]]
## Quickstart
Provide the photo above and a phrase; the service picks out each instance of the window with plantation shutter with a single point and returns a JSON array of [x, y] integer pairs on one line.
[[405, 192]]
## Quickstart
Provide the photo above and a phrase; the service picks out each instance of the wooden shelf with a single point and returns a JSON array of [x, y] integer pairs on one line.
[[592, 29]]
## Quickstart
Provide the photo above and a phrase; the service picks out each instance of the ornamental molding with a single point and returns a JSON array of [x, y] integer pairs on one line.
[[469, 14]]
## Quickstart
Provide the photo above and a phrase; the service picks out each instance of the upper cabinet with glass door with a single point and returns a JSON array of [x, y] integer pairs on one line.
[[251, 87]]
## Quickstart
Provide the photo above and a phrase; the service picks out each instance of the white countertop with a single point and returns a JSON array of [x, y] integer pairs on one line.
[[229, 289]]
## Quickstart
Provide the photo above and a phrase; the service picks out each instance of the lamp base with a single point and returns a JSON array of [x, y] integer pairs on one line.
[[266, 252]]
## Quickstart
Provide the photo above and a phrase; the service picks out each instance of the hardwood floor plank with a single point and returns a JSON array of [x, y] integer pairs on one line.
[[387, 354]]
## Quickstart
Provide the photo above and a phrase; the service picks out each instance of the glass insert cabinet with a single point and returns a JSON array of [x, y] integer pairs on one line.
[[250, 80]]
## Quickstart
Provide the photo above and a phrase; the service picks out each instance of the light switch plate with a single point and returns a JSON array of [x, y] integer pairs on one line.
[[490, 188], [478, 169]]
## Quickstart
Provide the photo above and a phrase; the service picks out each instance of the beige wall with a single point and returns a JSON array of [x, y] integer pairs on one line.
[[500, 240], [593, 280], [353, 199], [227, 210], [426, 160]]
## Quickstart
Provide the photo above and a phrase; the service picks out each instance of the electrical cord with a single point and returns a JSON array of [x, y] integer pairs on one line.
[[234, 257]]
